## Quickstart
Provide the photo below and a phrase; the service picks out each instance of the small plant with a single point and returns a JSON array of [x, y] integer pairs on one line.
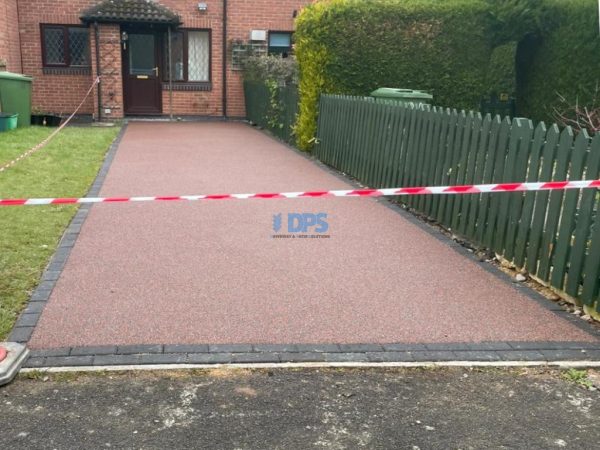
[[283, 71], [578, 377]]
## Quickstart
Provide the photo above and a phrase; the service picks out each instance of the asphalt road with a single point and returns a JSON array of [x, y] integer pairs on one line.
[[300, 409]]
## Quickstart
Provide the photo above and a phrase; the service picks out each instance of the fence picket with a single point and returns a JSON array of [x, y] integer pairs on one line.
[[584, 221], [567, 220], [479, 157], [469, 174], [533, 174], [515, 200], [554, 207]]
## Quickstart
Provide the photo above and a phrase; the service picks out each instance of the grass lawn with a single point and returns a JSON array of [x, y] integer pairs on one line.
[[28, 235]]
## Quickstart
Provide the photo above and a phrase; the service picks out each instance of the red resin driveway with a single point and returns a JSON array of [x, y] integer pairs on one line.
[[210, 272]]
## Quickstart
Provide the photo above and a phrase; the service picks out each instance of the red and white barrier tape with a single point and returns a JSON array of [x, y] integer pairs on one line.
[[54, 133], [467, 189]]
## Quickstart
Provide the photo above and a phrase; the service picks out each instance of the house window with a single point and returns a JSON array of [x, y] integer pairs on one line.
[[190, 56], [280, 43], [65, 46]]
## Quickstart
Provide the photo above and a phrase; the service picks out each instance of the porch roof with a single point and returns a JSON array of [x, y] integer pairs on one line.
[[130, 11]]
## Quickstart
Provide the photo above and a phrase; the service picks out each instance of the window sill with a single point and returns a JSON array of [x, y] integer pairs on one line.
[[183, 86], [67, 70]]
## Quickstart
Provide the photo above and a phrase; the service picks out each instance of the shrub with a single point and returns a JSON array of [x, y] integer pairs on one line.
[[272, 68], [356, 46], [563, 63]]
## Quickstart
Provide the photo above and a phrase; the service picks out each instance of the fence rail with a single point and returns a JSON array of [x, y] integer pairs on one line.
[[274, 109], [554, 235]]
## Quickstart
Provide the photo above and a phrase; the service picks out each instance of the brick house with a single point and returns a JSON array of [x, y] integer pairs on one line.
[[154, 57]]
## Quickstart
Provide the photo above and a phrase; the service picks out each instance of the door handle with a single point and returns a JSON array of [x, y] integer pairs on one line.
[[155, 71]]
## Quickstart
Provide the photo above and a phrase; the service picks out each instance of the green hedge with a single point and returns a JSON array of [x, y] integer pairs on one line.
[[355, 46], [459, 50], [565, 60]]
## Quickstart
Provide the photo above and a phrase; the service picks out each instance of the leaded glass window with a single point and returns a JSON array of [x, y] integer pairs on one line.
[[66, 46]]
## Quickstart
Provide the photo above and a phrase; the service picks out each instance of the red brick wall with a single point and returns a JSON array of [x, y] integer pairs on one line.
[[62, 93], [10, 47], [51, 93]]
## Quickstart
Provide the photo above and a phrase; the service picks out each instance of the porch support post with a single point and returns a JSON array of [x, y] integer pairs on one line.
[[170, 69]]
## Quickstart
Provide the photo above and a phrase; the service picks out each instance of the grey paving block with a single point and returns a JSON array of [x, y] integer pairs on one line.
[[68, 241], [319, 348], [484, 346], [209, 358], [230, 348], [551, 345], [352, 348], [28, 320], [34, 307], [62, 254], [275, 348], [63, 351], [40, 295], [57, 265], [35, 362], [20, 334], [163, 358], [74, 228], [521, 355], [390, 356], [301, 357], [404, 347], [186, 348], [255, 358], [51, 275], [142, 348], [45, 286], [557, 355], [475, 355], [434, 356], [115, 360], [66, 361], [94, 350], [346, 357], [446, 346], [593, 355]]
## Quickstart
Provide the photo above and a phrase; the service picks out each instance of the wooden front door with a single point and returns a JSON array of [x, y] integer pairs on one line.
[[141, 78]]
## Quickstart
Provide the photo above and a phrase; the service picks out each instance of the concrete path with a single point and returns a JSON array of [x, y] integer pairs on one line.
[[301, 409], [211, 273]]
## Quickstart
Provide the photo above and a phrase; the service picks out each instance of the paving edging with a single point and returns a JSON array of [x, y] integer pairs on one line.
[[495, 352]]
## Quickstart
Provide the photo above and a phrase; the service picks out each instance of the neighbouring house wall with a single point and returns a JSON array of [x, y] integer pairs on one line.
[[247, 15], [10, 47], [60, 91]]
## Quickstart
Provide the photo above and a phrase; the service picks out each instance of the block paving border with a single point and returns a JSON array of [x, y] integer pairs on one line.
[[295, 353]]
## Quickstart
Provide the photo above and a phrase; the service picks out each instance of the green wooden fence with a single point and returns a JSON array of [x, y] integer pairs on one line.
[[554, 235], [275, 111]]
